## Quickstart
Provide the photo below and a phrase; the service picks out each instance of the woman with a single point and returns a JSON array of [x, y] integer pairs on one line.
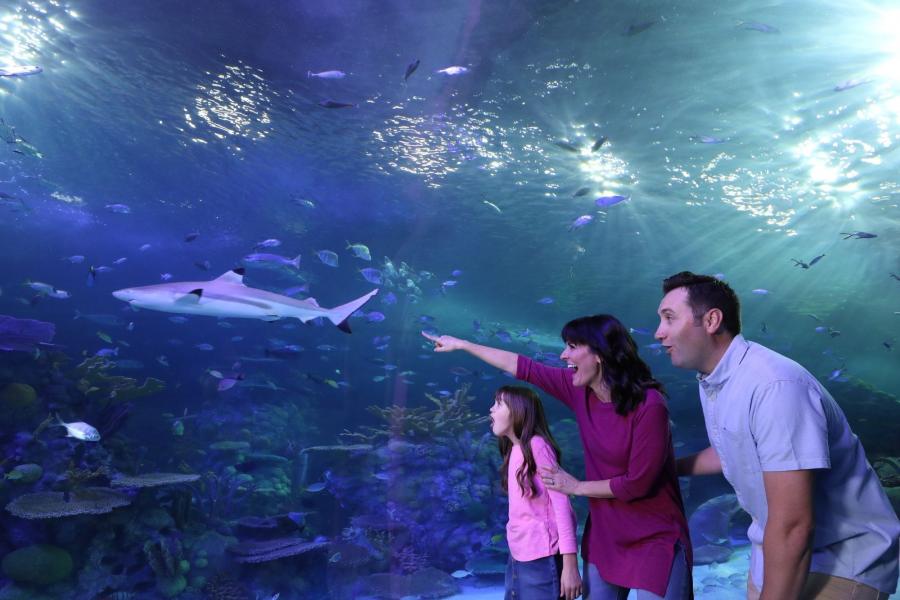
[[541, 528], [636, 536]]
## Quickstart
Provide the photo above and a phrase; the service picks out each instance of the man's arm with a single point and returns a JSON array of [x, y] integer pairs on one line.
[[705, 462], [787, 539]]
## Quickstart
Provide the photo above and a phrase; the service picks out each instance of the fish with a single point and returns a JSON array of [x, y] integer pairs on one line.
[[333, 104], [105, 337], [568, 147], [59, 294], [850, 84], [335, 557], [449, 283], [760, 292], [453, 70], [607, 201], [25, 335], [707, 139], [816, 259], [581, 192], [837, 375], [40, 287], [107, 352], [205, 347], [639, 331], [860, 235], [580, 222], [165, 276], [461, 573], [269, 243], [636, 28], [375, 317], [190, 237], [492, 205], [145, 247], [20, 70], [757, 26], [546, 300], [800, 263], [655, 348], [360, 251], [895, 277], [599, 143], [389, 299], [227, 296], [285, 351], [178, 320], [316, 487], [326, 75], [261, 257], [75, 259], [328, 257], [122, 209], [79, 430], [120, 261], [410, 69]]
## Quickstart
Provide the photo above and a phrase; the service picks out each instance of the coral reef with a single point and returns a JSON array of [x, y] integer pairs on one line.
[[146, 480], [19, 406], [93, 379], [52, 505], [38, 564], [256, 551], [164, 557], [225, 587]]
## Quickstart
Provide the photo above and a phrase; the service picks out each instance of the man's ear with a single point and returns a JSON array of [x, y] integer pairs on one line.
[[712, 320]]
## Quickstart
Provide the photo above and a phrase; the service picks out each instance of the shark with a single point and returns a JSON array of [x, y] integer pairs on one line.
[[227, 296]]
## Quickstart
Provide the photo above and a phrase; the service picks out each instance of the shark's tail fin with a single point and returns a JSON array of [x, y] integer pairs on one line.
[[339, 314]]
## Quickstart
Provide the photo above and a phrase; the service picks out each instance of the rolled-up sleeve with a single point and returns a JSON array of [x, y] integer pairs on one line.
[[561, 507], [555, 381], [649, 449]]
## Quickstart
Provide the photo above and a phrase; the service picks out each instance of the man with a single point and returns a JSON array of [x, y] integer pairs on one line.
[[822, 525]]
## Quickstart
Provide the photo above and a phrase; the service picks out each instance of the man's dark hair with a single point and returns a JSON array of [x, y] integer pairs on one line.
[[706, 293]]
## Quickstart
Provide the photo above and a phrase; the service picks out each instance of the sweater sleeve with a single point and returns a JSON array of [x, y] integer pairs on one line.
[[556, 382], [650, 444], [560, 505]]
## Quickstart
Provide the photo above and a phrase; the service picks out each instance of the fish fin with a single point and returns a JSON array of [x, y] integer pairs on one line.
[[234, 276], [191, 297], [339, 314], [344, 326], [312, 301], [271, 318]]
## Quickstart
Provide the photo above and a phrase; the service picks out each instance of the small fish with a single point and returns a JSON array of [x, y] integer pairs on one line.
[[546, 300], [763, 328], [316, 487], [760, 292], [261, 257], [105, 337], [163, 360], [860, 235], [79, 430], [203, 265], [410, 69], [656, 348], [145, 247], [178, 428], [461, 573], [503, 336], [637, 28], [568, 147], [122, 209], [20, 70], [226, 383], [59, 294], [895, 277], [75, 259], [599, 143], [375, 317], [360, 251], [454, 70], [190, 237], [178, 319], [335, 557], [757, 26], [449, 283], [821, 329], [580, 222], [333, 104], [837, 375], [888, 344], [205, 347], [326, 75], [707, 139], [833, 332], [850, 84], [389, 299], [639, 331], [607, 201], [581, 192], [165, 276], [120, 261], [269, 243], [492, 205], [328, 257], [800, 263], [816, 259]]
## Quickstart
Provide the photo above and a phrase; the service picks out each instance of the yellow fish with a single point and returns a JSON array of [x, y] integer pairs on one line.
[[105, 337]]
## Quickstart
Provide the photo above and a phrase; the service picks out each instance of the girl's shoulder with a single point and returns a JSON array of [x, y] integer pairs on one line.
[[541, 447]]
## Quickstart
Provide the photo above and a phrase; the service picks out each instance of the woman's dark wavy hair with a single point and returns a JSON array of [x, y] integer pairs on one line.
[[625, 373], [528, 420]]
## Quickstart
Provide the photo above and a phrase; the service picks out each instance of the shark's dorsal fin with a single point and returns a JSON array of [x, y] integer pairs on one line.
[[312, 301], [191, 297], [234, 276]]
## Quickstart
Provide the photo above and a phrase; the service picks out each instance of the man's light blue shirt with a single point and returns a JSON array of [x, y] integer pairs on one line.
[[765, 412]]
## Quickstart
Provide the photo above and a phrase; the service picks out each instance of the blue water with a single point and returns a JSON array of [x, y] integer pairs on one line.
[[744, 136]]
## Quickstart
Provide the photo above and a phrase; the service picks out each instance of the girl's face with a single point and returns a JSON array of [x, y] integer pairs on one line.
[[584, 363], [501, 419]]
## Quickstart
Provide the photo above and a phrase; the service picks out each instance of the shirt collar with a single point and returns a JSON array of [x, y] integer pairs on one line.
[[729, 362]]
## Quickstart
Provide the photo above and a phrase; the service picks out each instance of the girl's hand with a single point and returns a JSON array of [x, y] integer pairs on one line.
[[444, 343], [569, 583], [554, 478]]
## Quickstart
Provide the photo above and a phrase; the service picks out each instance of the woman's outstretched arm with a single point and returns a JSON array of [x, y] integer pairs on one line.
[[502, 359]]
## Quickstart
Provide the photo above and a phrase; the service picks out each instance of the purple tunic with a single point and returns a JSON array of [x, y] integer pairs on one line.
[[630, 538]]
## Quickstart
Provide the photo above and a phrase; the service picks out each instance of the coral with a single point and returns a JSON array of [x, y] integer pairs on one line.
[[265, 551], [428, 583], [164, 557], [145, 480], [229, 446], [40, 564], [93, 379], [409, 560], [224, 587], [52, 505], [18, 405], [156, 519]]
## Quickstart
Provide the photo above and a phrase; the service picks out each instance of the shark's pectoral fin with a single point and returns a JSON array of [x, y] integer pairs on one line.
[[192, 297], [270, 318]]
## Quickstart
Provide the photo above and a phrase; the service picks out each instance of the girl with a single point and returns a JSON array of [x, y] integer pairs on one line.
[[541, 528]]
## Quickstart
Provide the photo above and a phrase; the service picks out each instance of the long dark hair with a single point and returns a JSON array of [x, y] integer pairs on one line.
[[626, 375], [528, 420]]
